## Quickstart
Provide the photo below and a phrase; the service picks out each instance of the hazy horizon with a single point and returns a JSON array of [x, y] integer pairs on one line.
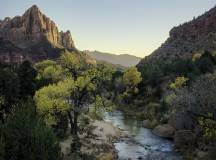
[[119, 27]]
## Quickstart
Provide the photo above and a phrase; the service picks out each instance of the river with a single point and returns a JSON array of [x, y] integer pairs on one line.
[[141, 143]]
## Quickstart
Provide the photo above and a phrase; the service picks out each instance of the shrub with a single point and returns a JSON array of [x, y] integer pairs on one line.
[[209, 129], [179, 82], [106, 156], [151, 110]]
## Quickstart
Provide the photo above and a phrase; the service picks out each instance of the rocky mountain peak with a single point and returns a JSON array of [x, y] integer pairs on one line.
[[32, 36], [34, 7], [34, 28]]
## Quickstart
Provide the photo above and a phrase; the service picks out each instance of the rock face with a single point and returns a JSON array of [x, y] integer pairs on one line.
[[65, 40], [10, 53], [165, 131], [195, 36], [34, 32]]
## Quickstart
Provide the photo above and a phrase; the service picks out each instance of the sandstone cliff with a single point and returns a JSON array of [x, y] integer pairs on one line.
[[36, 34], [195, 36]]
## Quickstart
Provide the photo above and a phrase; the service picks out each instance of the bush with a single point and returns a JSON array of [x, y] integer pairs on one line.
[[151, 110], [208, 127], [206, 63], [106, 156], [179, 82]]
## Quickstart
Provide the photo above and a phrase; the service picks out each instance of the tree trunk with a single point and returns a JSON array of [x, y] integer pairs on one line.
[[2, 118], [71, 121], [75, 125]]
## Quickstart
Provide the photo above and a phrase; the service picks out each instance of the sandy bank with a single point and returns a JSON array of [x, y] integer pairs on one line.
[[98, 138]]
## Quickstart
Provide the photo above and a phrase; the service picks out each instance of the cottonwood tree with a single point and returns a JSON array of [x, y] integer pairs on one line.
[[73, 95], [49, 72], [131, 79]]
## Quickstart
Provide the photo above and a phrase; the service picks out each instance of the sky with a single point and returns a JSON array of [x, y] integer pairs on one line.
[[136, 27]]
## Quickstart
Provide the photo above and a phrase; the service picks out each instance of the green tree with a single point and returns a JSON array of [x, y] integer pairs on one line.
[[27, 79], [27, 137], [74, 63], [9, 91], [71, 95], [131, 79], [53, 100], [49, 72], [151, 74]]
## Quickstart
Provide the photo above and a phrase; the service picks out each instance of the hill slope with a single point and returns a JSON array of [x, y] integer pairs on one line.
[[187, 39], [125, 60]]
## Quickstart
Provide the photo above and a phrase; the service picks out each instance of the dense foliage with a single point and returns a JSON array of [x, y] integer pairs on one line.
[[182, 94], [72, 90], [25, 136]]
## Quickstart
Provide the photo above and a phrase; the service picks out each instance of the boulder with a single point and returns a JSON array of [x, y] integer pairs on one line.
[[147, 124], [165, 131], [184, 138]]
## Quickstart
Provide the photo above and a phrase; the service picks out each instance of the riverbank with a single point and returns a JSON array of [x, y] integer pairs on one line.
[[97, 142], [185, 142], [140, 143]]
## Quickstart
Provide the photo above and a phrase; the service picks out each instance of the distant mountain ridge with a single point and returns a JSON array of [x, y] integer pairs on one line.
[[125, 60], [187, 39], [36, 35]]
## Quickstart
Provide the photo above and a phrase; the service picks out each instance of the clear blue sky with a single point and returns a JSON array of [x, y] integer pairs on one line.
[[135, 27]]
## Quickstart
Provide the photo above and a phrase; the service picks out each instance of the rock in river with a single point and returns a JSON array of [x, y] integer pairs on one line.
[[147, 124], [165, 131]]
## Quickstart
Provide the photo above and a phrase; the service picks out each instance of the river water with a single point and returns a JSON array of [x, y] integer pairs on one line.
[[141, 143]]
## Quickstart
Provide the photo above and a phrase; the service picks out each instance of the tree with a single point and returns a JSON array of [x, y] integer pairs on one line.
[[131, 79], [151, 74], [27, 137], [9, 91], [70, 96], [117, 86], [49, 72], [27, 78], [74, 63], [73, 95], [53, 101]]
